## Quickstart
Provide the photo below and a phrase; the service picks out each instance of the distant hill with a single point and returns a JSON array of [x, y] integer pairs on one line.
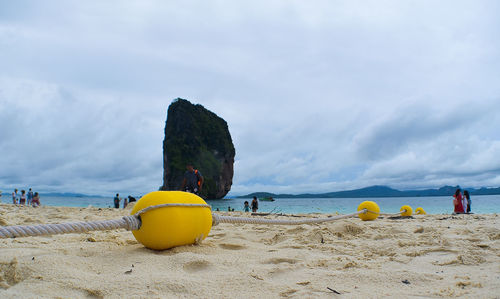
[[379, 191]]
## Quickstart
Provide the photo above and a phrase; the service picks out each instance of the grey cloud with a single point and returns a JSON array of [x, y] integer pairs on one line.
[[62, 138], [455, 155], [404, 126], [317, 97]]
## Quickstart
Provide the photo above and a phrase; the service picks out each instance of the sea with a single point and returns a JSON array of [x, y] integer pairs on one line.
[[481, 204]]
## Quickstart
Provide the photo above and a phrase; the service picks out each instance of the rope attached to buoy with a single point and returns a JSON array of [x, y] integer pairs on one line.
[[128, 222], [216, 219], [133, 222], [158, 228]]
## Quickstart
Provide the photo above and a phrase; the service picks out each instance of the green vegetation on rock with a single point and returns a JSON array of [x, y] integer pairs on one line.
[[196, 135]]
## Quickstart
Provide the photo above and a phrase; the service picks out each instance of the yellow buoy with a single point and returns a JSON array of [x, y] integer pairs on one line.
[[406, 210], [168, 227], [420, 211], [373, 210]]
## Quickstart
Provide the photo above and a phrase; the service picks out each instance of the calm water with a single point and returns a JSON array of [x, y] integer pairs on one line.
[[484, 204]]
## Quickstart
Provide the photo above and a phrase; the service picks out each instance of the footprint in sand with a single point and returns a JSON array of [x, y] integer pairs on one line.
[[10, 274], [231, 246], [219, 235], [196, 266], [296, 230], [278, 238]]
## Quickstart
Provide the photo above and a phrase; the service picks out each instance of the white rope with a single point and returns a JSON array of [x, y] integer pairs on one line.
[[390, 214], [216, 219], [127, 222], [133, 222], [166, 205]]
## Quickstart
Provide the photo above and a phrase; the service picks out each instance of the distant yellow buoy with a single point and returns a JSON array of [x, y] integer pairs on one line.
[[168, 227], [420, 211], [373, 210], [406, 210]]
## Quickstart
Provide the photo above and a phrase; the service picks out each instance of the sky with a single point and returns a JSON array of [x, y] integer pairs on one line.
[[319, 96]]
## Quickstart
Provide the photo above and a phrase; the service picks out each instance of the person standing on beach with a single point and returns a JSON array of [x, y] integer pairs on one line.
[[30, 196], [246, 208], [255, 204], [125, 202], [116, 201], [458, 202], [467, 200], [14, 197], [193, 180], [35, 201], [22, 200]]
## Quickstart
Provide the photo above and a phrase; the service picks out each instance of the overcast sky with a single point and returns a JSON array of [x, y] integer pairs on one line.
[[319, 95]]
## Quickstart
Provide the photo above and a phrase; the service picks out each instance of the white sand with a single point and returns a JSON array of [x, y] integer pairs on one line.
[[438, 255]]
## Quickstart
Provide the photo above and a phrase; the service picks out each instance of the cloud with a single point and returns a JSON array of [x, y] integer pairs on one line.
[[58, 140], [440, 147], [317, 97]]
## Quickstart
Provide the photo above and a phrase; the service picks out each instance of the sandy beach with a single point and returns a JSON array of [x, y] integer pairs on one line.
[[425, 257]]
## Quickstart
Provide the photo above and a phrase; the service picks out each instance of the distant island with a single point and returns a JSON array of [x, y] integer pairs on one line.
[[379, 191]]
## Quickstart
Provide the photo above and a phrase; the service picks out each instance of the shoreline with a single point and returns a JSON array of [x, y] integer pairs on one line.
[[230, 213], [440, 255]]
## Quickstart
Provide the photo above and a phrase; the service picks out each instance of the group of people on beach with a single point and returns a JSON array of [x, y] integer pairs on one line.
[[461, 203], [24, 198], [126, 201], [255, 205]]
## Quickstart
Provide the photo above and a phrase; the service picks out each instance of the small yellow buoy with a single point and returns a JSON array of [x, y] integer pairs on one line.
[[420, 211], [373, 210], [167, 227], [406, 210]]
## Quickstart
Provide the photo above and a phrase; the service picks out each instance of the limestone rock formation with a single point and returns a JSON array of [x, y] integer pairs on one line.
[[196, 135]]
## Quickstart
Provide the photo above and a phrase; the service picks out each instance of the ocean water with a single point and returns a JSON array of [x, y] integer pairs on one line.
[[484, 204]]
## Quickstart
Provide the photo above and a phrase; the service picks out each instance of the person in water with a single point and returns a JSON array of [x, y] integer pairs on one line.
[[467, 200], [193, 180], [255, 204], [458, 202], [246, 208]]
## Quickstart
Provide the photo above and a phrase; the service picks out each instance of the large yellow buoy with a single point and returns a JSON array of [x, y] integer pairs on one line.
[[420, 211], [406, 210], [373, 210], [168, 227]]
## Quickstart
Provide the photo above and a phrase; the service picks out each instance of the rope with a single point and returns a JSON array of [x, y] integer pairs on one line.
[[216, 219], [127, 222], [387, 214], [391, 214], [166, 205], [133, 222]]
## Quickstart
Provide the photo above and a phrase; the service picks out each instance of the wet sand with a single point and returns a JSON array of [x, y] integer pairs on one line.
[[425, 257]]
